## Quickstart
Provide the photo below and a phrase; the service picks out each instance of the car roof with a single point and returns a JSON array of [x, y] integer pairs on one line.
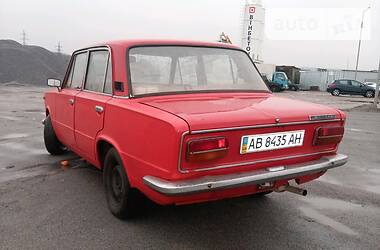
[[161, 42], [347, 80]]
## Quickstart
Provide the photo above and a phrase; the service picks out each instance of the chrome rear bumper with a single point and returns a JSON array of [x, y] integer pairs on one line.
[[210, 183]]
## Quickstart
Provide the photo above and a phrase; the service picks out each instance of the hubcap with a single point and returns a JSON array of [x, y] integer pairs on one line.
[[369, 94], [336, 92], [116, 183]]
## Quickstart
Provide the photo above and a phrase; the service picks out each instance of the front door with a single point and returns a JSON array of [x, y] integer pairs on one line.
[[91, 103], [357, 87], [65, 102]]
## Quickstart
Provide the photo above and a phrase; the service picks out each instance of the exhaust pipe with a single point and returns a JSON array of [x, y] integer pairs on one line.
[[292, 189]]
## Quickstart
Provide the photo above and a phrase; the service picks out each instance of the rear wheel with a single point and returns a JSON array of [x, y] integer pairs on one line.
[[369, 94], [123, 201], [335, 92], [52, 144]]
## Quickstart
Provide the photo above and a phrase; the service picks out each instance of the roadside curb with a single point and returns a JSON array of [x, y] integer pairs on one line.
[[363, 108]]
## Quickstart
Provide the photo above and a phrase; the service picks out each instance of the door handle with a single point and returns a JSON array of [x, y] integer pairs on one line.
[[99, 109], [71, 101]]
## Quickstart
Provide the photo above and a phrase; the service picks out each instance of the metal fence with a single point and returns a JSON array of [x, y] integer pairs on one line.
[[321, 79]]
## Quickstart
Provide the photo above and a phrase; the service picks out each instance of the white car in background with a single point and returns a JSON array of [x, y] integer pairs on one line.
[[371, 84]]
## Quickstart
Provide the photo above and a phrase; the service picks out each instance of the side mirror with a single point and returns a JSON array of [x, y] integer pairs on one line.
[[51, 82]]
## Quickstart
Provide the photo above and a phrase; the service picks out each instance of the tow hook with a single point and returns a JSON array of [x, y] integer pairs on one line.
[[292, 189]]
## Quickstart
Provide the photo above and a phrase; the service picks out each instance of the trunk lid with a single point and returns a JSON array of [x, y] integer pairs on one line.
[[205, 112], [237, 116]]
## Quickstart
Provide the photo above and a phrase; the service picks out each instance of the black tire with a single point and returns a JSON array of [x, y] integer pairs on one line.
[[274, 88], [123, 201], [335, 92], [292, 88], [369, 94], [52, 144]]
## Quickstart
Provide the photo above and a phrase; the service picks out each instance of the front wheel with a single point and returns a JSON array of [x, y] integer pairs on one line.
[[369, 94], [123, 201], [52, 144], [274, 88]]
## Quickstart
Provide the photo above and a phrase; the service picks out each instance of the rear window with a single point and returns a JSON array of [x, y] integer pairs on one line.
[[166, 69]]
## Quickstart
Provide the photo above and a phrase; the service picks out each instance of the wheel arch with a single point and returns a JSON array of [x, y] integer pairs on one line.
[[370, 90], [47, 111], [103, 144]]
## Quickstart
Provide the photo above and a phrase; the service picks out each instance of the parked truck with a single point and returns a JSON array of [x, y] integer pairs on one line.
[[280, 78]]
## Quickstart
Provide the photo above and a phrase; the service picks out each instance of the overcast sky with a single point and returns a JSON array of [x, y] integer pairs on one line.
[[79, 23]]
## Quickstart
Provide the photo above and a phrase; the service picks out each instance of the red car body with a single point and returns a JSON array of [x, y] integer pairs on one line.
[[152, 134]]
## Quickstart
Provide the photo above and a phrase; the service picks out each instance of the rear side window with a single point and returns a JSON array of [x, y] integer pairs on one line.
[[77, 71], [96, 73], [344, 82]]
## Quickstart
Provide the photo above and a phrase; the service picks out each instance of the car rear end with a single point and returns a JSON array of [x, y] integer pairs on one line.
[[331, 87], [229, 162], [240, 140]]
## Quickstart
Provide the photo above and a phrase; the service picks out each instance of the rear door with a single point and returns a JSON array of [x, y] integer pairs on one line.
[[65, 102], [344, 86], [90, 107]]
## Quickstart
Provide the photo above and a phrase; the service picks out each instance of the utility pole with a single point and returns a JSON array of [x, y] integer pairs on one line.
[[360, 41], [376, 99], [59, 48], [23, 34]]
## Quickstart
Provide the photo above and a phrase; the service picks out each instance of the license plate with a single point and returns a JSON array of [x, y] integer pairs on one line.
[[273, 141]]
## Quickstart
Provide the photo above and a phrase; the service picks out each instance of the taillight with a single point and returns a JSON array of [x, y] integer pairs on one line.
[[332, 85], [206, 149], [328, 135]]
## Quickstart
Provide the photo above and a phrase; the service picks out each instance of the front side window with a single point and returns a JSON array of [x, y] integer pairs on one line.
[[96, 72], [355, 83], [77, 71], [166, 69]]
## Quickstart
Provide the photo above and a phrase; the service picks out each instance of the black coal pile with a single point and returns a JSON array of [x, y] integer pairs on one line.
[[30, 64]]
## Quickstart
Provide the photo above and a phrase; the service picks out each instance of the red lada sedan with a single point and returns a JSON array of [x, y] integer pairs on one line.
[[185, 122]]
